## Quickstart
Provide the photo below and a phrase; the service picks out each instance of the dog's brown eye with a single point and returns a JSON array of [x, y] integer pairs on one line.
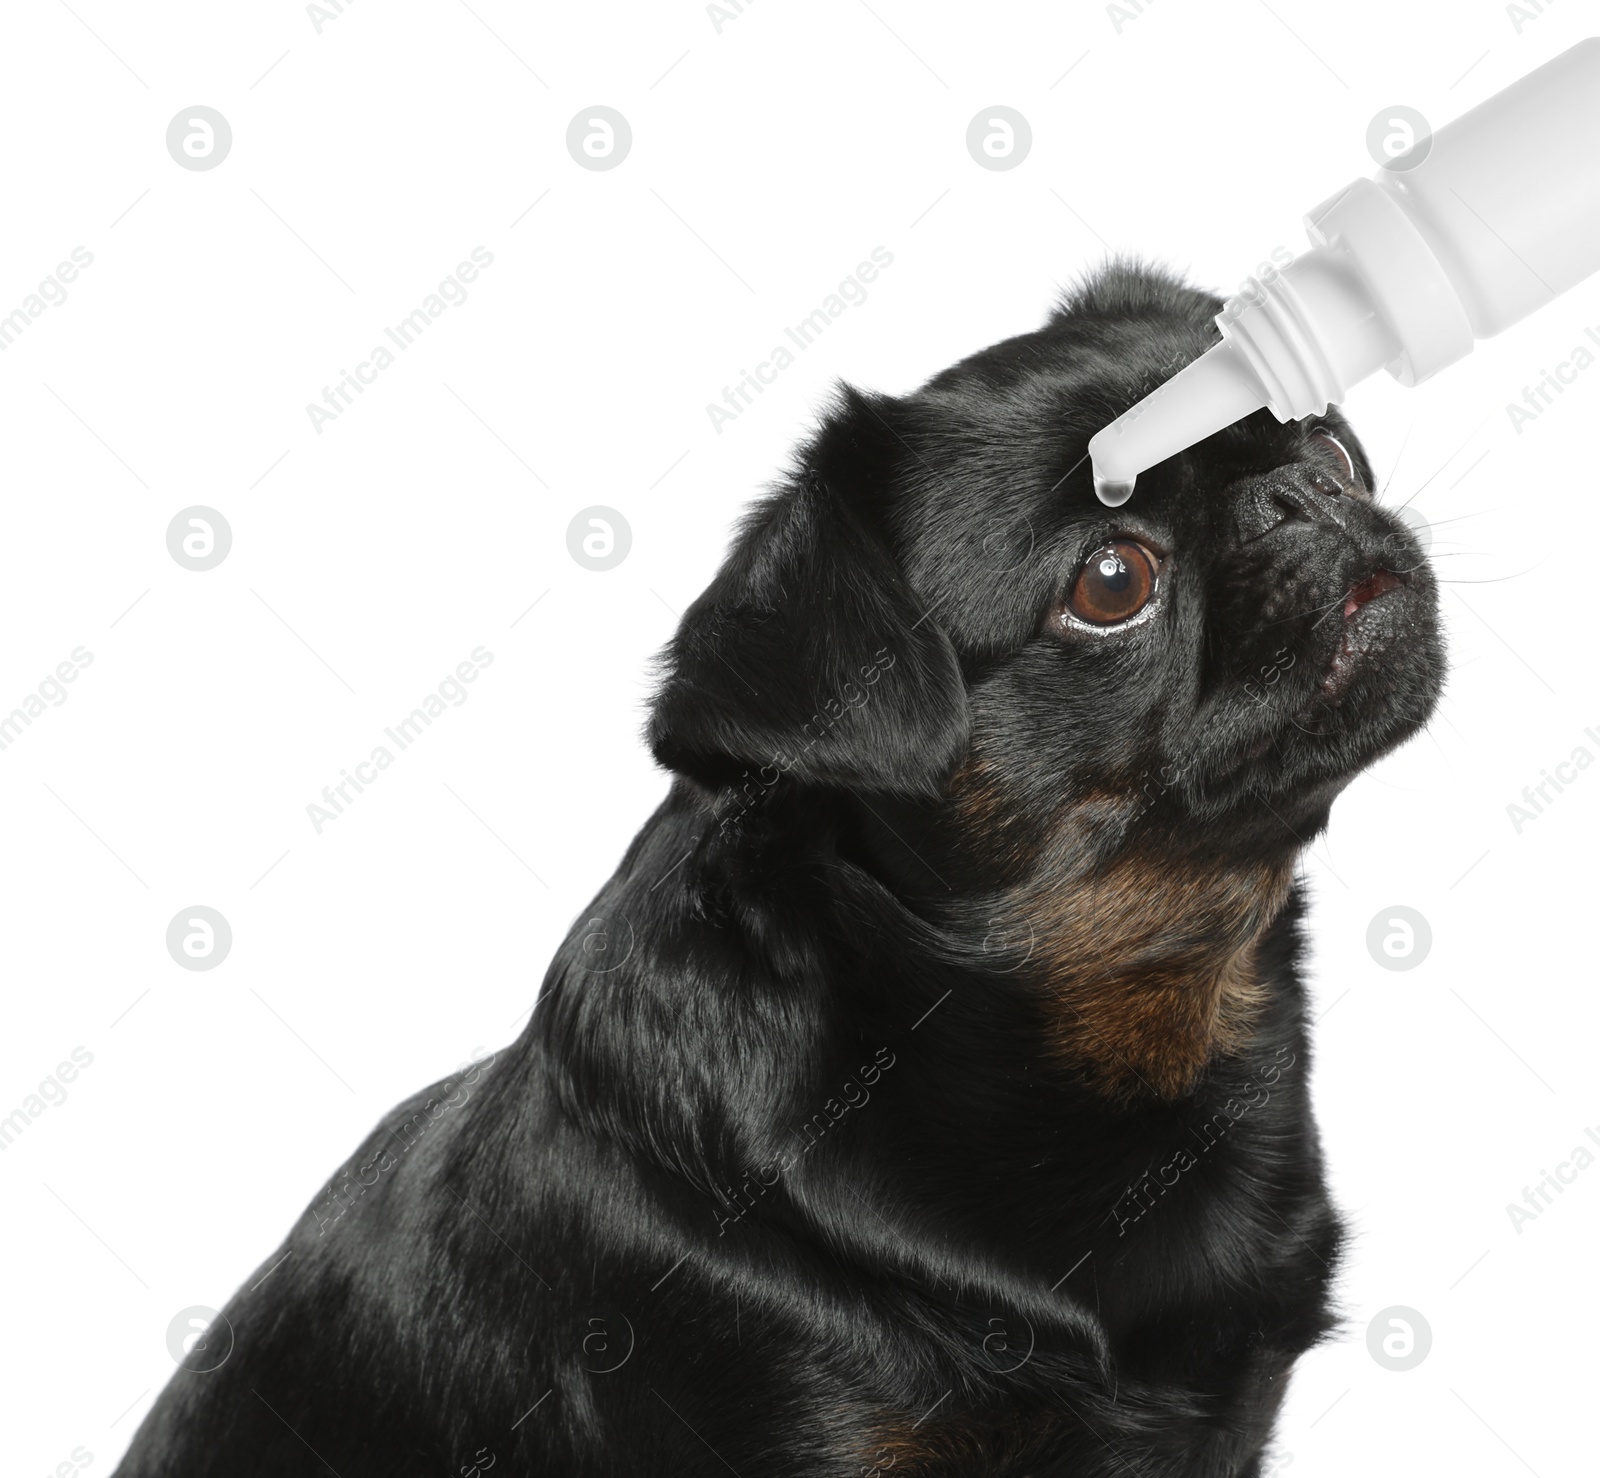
[[1348, 476], [1115, 583]]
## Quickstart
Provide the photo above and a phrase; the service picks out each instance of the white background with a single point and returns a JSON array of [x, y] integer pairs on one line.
[[769, 157]]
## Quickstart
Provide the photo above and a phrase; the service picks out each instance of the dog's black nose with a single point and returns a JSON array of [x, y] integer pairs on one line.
[[1306, 495]]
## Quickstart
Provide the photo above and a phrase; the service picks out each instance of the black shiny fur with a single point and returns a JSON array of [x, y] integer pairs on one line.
[[784, 1176]]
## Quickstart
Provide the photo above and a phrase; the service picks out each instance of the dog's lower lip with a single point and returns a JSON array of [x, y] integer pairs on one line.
[[1360, 595]]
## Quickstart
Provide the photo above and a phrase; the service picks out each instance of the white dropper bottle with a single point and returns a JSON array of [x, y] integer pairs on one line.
[[1463, 236]]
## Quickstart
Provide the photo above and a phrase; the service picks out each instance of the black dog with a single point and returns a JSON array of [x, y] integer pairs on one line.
[[927, 1092]]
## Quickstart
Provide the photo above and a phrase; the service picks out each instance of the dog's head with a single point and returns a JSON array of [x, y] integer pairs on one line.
[[1034, 693]]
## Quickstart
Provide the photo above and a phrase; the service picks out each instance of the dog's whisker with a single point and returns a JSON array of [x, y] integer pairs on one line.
[[1405, 441]]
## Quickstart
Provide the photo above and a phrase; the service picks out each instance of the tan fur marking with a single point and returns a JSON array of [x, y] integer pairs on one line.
[[1150, 966], [1146, 963], [903, 1447]]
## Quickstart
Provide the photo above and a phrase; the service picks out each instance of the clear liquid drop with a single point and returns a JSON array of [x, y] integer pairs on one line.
[[1111, 491]]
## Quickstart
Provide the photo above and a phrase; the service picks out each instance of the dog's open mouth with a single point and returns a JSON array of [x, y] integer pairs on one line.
[[1354, 644], [1369, 590]]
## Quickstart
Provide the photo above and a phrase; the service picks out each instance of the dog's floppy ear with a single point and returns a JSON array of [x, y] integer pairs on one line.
[[808, 656]]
